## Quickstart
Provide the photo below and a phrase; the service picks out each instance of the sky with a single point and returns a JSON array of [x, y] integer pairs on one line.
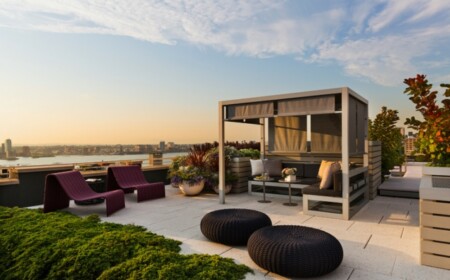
[[140, 72]]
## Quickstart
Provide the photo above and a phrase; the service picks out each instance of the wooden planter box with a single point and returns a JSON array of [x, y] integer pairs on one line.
[[241, 167], [374, 168], [435, 217]]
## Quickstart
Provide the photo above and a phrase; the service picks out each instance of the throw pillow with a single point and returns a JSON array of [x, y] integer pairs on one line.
[[323, 166], [327, 178], [257, 167], [272, 167]]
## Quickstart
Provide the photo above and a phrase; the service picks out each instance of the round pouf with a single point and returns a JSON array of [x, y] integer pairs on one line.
[[295, 251], [233, 226]]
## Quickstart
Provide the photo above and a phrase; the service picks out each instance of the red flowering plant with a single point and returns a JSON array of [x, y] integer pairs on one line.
[[434, 131]]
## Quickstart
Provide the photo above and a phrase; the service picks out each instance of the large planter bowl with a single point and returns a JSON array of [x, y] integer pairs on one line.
[[194, 189], [227, 188]]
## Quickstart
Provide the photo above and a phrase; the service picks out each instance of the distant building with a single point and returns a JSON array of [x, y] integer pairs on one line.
[[410, 145], [162, 146], [170, 145], [142, 149], [3, 151], [8, 149]]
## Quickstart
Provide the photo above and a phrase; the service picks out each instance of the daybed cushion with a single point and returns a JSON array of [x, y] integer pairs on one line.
[[310, 170], [335, 191], [272, 167]]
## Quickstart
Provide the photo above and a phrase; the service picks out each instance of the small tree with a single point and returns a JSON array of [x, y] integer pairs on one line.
[[384, 129], [434, 131]]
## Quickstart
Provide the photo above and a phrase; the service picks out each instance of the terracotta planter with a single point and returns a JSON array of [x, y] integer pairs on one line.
[[194, 189]]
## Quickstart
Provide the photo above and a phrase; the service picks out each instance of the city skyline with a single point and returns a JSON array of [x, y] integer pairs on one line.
[[89, 72]]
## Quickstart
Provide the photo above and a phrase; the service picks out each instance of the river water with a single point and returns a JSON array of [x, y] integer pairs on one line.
[[75, 159]]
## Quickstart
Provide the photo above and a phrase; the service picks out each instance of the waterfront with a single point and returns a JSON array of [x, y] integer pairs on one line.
[[75, 159]]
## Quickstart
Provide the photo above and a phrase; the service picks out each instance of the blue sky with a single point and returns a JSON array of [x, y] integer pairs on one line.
[[129, 72]]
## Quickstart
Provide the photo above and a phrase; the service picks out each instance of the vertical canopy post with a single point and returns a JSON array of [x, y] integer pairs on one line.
[[221, 154]]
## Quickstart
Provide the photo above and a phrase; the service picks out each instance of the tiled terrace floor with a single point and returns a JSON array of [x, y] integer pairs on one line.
[[380, 242]]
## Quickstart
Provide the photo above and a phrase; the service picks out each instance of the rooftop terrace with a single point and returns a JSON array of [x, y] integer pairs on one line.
[[380, 242]]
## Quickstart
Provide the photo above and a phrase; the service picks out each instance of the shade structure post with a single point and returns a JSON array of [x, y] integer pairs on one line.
[[345, 154], [221, 154], [262, 145]]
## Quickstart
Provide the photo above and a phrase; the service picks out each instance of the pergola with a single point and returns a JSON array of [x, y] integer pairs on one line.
[[307, 126]]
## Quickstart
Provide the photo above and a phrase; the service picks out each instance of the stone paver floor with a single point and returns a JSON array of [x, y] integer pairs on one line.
[[380, 242]]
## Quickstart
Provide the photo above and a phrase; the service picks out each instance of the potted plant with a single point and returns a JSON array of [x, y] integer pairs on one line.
[[189, 179], [288, 174], [192, 170], [173, 168], [230, 180], [213, 167]]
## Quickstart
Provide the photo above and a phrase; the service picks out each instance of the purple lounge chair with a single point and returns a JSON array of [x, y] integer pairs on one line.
[[61, 187], [130, 178]]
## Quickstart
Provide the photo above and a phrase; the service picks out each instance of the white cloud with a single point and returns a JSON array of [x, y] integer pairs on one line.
[[380, 40]]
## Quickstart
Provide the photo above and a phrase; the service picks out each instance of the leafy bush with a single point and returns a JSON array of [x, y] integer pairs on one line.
[[175, 165], [244, 145], [169, 265], [251, 153], [384, 129], [434, 130], [60, 245]]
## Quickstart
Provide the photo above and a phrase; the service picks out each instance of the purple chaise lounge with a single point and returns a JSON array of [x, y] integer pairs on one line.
[[130, 178], [61, 187]]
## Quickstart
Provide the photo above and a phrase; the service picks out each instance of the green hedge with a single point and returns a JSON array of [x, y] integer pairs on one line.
[[60, 245]]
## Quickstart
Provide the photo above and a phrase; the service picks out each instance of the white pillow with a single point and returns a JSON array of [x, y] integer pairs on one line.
[[327, 177], [257, 167]]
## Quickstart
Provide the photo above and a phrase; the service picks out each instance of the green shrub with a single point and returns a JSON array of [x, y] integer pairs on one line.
[[169, 265], [251, 153], [60, 245]]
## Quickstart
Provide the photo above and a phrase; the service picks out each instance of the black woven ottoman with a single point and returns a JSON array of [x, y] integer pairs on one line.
[[295, 251], [233, 226]]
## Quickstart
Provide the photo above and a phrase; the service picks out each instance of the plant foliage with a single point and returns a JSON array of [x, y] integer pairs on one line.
[[384, 129], [60, 245], [434, 131], [251, 153]]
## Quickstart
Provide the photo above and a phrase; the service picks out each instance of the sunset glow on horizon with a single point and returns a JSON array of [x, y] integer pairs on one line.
[[138, 72]]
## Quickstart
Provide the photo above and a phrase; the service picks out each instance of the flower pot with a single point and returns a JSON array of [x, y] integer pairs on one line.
[[290, 178], [191, 189], [227, 188]]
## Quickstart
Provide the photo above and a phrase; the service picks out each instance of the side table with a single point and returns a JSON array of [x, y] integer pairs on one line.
[[290, 203], [264, 188]]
